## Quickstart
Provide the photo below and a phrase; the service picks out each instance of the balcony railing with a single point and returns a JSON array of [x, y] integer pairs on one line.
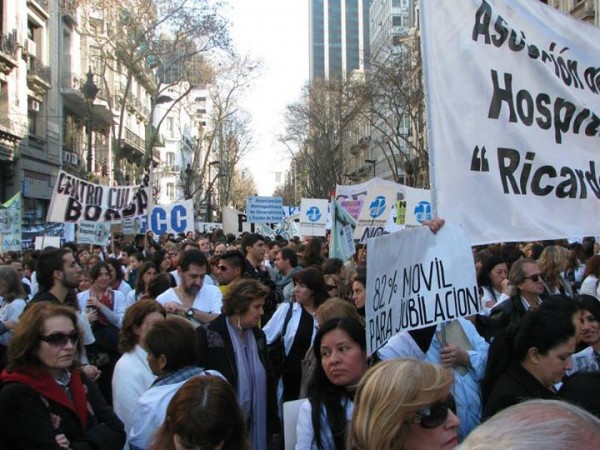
[[583, 10], [38, 69], [8, 48], [42, 3], [134, 140], [69, 10]]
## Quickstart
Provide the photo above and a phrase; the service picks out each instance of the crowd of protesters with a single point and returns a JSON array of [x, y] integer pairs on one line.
[[197, 341]]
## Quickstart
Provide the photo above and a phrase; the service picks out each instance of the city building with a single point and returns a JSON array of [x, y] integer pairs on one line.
[[339, 37]]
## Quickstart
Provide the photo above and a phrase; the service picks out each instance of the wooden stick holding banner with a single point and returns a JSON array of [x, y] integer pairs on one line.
[[433, 282]]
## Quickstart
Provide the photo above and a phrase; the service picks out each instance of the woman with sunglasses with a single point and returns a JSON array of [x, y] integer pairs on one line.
[[404, 404], [335, 286], [340, 350], [47, 402], [528, 360]]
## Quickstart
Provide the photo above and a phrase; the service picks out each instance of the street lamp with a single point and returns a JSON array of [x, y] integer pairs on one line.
[[89, 91], [189, 172], [373, 163], [210, 186]]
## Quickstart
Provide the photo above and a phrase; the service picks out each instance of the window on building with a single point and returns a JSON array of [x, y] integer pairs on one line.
[[396, 3], [170, 127], [397, 21], [171, 191], [170, 159]]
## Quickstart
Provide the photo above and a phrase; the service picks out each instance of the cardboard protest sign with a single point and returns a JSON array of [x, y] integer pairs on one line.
[[514, 135], [74, 200], [417, 279], [264, 209], [96, 233], [313, 217]]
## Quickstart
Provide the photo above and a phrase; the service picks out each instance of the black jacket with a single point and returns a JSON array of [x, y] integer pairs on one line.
[[29, 421], [508, 312], [217, 353], [515, 385]]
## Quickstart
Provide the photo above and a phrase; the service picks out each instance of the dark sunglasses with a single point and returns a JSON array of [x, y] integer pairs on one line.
[[60, 339], [435, 415], [330, 287], [535, 278], [223, 268]]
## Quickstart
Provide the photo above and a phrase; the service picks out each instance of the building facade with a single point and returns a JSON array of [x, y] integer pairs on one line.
[[339, 37]]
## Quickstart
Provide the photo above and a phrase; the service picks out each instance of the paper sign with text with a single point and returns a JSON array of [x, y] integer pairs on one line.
[[10, 225], [97, 233], [264, 209], [313, 216], [417, 279]]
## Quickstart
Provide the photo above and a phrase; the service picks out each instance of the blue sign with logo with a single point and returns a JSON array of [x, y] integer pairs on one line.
[[313, 214], [377, 207], [423, 212]]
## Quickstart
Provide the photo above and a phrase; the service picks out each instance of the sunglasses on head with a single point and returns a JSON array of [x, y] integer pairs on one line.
[[435, 415], [535, 278], [60, 339]]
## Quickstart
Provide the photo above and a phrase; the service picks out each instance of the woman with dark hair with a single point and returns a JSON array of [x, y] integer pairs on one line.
[[526, 360], [132, 375], [359, 291], [314, 254], [173, 356], [493, 282], [47, 402], [340, 349], [591, 278], [296, 325], [117, 282], [162, 260], [588, 359], [195, 418], [146, 271], [12, 303], [105, 311], [235, 346]]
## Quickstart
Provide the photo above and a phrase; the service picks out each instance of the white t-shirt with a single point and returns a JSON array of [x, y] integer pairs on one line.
[[209, 299]]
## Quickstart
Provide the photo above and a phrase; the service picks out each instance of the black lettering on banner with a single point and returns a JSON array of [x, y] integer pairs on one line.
[[563, 182]]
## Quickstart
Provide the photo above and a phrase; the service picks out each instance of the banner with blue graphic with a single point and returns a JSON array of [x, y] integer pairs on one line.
[[376, 211], [313, 217], [418, 206]]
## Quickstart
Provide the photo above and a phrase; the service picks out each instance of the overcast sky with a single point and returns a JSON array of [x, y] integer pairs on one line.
[[275, 31]]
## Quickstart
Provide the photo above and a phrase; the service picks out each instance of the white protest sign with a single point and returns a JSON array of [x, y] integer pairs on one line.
[[208, 227], [97, 233], [375, 211], [176, 218], [131, 226], [74, 200], [313, 217], [417, 279], [235, 222], [264, 209], [513, 108], [418, 206], [42, 242]]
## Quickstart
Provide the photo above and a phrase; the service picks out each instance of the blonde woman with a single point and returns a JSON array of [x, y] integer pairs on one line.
[[552, 262], [404, 404]]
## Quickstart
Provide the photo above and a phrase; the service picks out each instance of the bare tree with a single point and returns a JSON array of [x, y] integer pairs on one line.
[[227, 136], [397, 113], [242, 185], [130, 39], [317, 130]]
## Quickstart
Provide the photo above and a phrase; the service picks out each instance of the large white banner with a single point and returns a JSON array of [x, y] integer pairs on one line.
[[417, 279], [513, 102], [74, 200], [175, 218]]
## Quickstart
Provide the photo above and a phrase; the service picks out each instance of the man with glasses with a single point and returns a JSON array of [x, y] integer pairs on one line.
[[230, 268], [527, 285]]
